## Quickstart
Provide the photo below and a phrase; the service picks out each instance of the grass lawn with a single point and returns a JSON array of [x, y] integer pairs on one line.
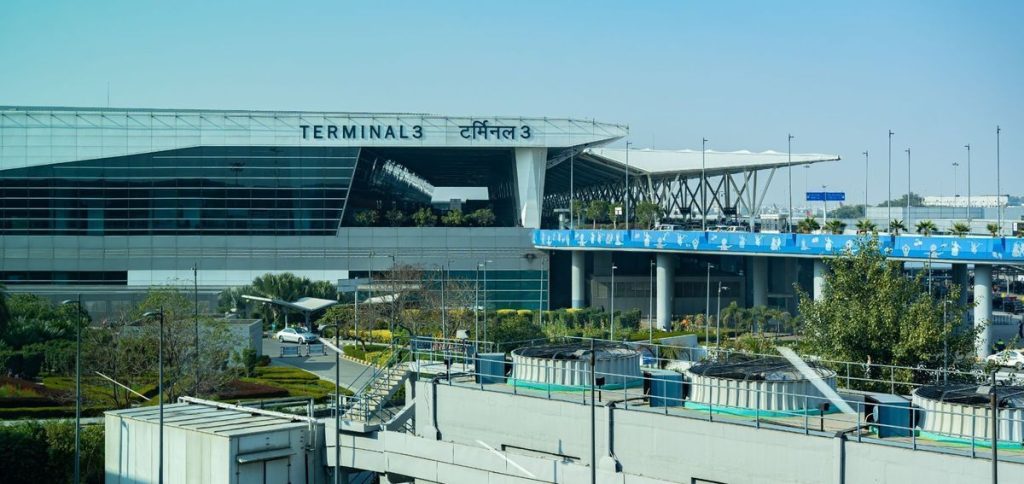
[[299, 383]]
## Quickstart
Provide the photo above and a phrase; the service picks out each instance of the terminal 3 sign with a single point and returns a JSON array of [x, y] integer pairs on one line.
[[473, 131]]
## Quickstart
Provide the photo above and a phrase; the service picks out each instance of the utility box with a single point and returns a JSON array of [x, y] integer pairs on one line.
[[666, 388], [210, 444], [490, 368], [892, 414]]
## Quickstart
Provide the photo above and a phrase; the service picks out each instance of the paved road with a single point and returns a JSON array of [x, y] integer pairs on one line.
[[353, 375]]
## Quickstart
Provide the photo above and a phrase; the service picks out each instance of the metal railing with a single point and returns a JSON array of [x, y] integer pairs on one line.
[[869, 422]]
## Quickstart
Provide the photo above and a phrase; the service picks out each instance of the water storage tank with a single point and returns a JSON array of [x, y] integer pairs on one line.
[[490, 368], [958, 412], [744, 386], [567, 367]]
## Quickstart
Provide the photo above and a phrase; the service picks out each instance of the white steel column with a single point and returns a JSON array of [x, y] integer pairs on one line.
[[983, 308], [531, 166], [666, 290], [819, 278], [759, 280], [579, 266]]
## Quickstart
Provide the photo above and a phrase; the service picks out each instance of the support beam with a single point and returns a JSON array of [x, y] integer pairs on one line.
[[819, 279], [531, 164], [666, 289], [983, 308], [579, 266], [759, 281]]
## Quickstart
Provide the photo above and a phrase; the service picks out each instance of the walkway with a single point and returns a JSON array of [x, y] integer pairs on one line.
[[353, 375]]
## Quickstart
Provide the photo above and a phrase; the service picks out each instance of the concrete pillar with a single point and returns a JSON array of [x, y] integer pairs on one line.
[[960, 278], [759, 281], [819, 279], [983, 308], [666, 290], [579, 267], [531, 166]]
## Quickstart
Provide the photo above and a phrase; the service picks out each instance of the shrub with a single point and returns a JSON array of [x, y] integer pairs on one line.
[[367, 218], [238, 389], [395, 217], [263, 360], [453, 218], [424, 217], [483, 217]]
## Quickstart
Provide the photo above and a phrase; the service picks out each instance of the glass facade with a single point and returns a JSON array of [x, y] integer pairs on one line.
[[248, 190], [498, 289]]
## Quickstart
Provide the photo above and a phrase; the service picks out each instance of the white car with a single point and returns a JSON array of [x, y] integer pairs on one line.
[[294, 335], [1014, 358]]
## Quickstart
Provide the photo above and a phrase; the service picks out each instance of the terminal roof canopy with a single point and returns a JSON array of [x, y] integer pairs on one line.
[[688, 162]]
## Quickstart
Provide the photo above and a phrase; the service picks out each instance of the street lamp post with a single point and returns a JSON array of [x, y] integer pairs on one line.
[[968, 146], [195, 293], [718, 316], [650, 308], [703, 185], [707, 308], [337, 400], [628, 143], [160, 385], [865, 183], [908, 189], [484, 264], [999, 189], [888, 202], [78, 385], [611, 317], [789, 171], [824, 201]]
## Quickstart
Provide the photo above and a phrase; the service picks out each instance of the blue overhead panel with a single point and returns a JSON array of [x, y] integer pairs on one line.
[[826, 196], [938, 248]]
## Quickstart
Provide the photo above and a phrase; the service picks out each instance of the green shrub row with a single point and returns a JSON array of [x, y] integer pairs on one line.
[[34, 452]]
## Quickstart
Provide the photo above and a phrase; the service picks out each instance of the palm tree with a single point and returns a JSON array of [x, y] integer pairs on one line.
[[925, 227], [960, 229], [835, 226], [896, 225], [807, 225], [993, 229], [864, 226]]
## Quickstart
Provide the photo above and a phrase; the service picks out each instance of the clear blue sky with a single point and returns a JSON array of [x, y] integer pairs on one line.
[[837, 75]]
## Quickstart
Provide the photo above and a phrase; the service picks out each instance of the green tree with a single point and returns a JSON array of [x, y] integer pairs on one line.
[[807, 225], [5, 315], [865, 226], [896, 226], [367, 218], [482, 217], [648, 213], [597, 212], [960, 229], [925, 227], [835, 226], [454, 218], [870, 310], [424, 217], [915, 201], [396, 217], [847, 211], [508, 331], [993, 229]]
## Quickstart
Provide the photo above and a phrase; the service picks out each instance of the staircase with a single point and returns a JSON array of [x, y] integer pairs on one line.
[[371, 401]]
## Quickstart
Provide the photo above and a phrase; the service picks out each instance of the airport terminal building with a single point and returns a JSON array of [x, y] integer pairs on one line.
[[108, 202]]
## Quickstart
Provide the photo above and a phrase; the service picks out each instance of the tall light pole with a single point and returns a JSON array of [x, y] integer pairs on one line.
[[968, 146], [650, 307], [955, 194], [611, 318], [824, 201], [999, 190], [628, 143], [707, 308], [160, 385], [789, 171], [865, 183], [888, 202], [195, 293], [718, 316], [484, 265], [78, 385], [572, 189], [908, 188], [703, 185]]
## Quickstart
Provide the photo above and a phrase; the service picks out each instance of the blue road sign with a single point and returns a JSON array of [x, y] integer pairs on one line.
[[826, 196]]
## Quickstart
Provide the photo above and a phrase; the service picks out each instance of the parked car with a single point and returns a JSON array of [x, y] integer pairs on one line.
[[296, 335], [668, 227], [1012, 358]]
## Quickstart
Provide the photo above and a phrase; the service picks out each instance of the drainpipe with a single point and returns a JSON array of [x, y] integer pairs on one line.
[[433, 406], [610, 437]]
